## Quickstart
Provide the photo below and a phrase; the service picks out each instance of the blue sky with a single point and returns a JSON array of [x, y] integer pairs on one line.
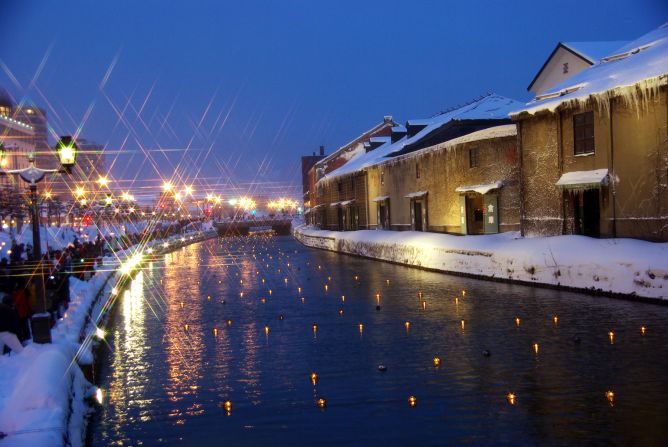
[[283, 77]]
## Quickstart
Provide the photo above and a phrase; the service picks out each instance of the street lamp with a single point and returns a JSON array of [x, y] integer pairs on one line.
[[66, 149]]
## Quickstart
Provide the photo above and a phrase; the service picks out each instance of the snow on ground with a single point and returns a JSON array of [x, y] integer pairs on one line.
[[42, 389], [624, 266]]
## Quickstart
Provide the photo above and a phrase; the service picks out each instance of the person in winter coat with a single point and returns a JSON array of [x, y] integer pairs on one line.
[[9, 326]]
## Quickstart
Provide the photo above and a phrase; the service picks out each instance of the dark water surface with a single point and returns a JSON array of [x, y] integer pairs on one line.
[[166, 383]]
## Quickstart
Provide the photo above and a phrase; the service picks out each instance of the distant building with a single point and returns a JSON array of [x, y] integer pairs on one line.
[[45, 156], [17, 137], [354, 214], [308, 176], [568, 59], [594, 149], [416, 177]]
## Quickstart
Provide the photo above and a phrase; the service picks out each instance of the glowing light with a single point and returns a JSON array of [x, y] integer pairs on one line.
[[555, 319], [315, 327], [114, 291], [412, 401], [99, 396], [610, 395], [215, 332], [299, 290], [643, 329], [186, 327], [321, 402], [463, 324], [343, 298], [103, 181], [314, 378], [437, 361], [326, 287], [611, 336], [229, 322], [424, 305], [100, 333], [266, 330], [189, 190], [341, 312], [511, 398], [535, 348], [361, 326], [517, 321], [227, 405], [167, 186], [407, 325]]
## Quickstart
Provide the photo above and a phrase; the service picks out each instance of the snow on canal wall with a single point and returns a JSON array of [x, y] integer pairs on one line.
[[42, 389], [612, 266]]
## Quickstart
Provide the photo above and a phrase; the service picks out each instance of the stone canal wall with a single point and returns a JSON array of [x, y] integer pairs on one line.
[[44, 388], [620, 267]]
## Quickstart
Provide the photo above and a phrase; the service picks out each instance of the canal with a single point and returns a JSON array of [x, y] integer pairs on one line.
[[248, 320]]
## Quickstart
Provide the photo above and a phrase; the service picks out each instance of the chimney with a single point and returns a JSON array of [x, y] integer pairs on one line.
[[388, 119], [322, 151]]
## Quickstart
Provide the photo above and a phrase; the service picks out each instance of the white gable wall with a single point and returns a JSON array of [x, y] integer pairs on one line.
[[553, 73]]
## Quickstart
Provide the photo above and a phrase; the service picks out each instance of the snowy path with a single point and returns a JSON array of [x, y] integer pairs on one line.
[[622, 266]]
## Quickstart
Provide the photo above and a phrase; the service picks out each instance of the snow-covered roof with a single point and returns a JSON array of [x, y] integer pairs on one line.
[[382, 140], [347, 202], [489, 107], [480, 189], [642, 60], [412, 195], [594, 51], [399, 128], [505, 130], [366, 160], [356, 140], [380, 198], [583, 179]]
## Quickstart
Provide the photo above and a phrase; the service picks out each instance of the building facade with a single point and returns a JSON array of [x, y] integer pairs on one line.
[[468, 185], [308, 176], [594, 153], [419, 178]]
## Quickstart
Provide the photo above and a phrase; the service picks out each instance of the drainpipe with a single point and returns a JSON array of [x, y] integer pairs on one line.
[[560, 161], [521, 179], [366, 195], [612, 168]]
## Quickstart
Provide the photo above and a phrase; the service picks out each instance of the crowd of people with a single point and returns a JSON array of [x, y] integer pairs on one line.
[[21, 293]]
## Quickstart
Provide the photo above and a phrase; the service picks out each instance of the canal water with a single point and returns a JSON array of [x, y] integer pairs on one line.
[[233, 320]]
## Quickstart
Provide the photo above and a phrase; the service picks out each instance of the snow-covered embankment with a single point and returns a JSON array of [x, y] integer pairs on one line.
[[613, 266], [42, 389]]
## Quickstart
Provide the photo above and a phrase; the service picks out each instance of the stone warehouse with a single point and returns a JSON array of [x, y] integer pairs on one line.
[[588, 155]]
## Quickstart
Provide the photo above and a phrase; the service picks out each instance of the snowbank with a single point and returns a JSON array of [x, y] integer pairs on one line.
[[42, 389], [616, 266]]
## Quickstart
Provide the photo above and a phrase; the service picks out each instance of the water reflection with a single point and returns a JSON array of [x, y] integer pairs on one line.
[[169, 385]]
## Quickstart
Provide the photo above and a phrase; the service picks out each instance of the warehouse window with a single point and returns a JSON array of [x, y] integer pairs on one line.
[[583, 133], [474, 157]]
